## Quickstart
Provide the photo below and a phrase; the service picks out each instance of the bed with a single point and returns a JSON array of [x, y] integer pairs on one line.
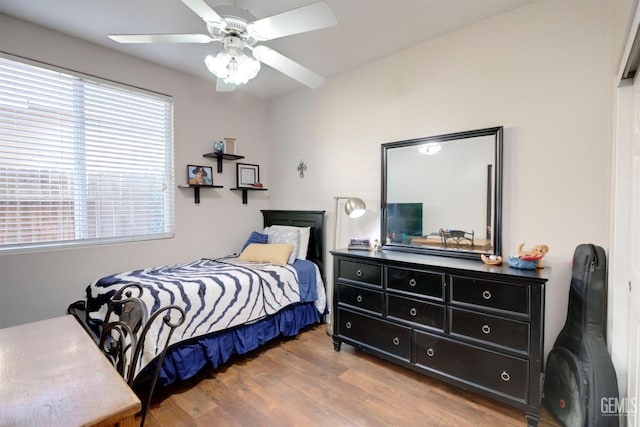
[[231, 305]]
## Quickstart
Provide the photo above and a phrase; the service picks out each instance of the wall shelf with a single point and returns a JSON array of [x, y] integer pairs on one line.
[[245, 190], [222, 156], [196, 190]]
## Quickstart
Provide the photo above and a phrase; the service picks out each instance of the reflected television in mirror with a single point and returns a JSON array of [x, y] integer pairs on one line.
[[405, 222], [442, 194]]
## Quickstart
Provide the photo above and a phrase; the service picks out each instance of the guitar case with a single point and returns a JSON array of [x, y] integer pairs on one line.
[[579, 372]]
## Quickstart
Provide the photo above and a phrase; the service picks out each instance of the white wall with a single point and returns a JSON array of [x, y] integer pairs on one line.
[[543, 71], [40, 285]]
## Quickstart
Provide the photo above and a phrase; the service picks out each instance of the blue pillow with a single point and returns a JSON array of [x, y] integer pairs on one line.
[[255, 237]]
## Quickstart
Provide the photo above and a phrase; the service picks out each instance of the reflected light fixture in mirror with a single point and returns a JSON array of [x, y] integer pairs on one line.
[[354, 207], [430, 149]]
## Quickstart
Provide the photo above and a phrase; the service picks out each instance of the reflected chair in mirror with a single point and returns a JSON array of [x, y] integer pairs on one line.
[[456, 237]]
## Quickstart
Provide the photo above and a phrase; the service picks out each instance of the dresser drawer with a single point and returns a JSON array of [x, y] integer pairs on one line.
[[423, 313], [490, 329], [365, 299], [360, 272], [489, 294], [473, 365], [377, 333], [417, 282]]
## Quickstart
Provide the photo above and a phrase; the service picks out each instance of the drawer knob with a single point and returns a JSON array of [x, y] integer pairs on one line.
[[396, 341], [348, 325], [359, 298], [359, 273], [430, 352], [412, 282], [505, 376], [413, 311], [486, 295], [486, 329]]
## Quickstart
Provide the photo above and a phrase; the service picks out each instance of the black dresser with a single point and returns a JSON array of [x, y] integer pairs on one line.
[[477, 326]]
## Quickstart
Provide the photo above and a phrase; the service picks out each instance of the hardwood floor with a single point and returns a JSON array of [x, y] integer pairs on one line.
[[303, 382]]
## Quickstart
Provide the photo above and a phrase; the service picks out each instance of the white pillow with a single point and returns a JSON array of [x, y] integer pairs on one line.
[[305, 234], [287, 236]]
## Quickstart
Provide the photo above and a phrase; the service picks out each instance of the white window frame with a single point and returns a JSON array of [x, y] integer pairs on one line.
[[159, 226]]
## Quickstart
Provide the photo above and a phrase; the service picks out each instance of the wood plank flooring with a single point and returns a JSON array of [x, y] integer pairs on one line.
[[302, 381]]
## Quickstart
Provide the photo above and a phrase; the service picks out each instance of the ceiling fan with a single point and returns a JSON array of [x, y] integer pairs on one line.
[[239, 33]]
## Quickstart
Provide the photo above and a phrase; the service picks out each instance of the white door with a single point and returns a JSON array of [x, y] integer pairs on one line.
[[634, 262]]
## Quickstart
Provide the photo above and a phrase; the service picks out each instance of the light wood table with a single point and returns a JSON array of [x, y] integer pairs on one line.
[[436, 241], [53, 374]]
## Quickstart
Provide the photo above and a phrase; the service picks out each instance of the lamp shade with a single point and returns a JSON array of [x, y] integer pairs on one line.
[[355, 207]]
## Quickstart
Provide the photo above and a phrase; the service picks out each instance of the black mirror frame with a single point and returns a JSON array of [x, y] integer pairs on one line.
[[497, 132]]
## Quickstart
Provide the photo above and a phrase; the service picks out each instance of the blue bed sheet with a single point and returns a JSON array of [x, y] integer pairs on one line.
[[307, 278]]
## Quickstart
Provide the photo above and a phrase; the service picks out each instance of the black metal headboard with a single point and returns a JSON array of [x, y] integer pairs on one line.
[[313, 219]]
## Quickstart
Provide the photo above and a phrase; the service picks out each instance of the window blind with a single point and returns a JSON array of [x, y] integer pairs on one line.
[[82, 160]]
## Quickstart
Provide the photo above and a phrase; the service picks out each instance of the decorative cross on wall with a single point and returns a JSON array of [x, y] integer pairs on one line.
[[301, 168]]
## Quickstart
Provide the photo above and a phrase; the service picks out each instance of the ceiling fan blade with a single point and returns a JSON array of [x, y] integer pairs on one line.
[[287, 66], [160, 38], [204, 11], [222, 86], [307, 18]]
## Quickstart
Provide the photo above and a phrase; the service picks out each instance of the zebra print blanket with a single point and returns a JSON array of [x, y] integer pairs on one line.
[[215, 295]]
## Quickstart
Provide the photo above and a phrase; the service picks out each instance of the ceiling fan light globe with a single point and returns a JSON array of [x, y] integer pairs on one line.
[[250, 66], [242, 68], [218, 65]]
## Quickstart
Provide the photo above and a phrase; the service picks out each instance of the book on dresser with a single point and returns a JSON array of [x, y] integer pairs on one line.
[[476, 326], [359, 244]]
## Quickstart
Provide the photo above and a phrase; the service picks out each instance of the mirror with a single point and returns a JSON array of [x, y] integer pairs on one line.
[[442, 195]]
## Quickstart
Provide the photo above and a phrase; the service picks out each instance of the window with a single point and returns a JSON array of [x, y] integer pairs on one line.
[[82, 160]]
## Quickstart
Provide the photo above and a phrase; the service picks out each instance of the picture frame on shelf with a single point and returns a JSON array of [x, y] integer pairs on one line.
[[229, 145], [248, 175], [200, 176]]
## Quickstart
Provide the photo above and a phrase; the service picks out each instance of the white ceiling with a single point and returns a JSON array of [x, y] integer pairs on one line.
[[366, 30]]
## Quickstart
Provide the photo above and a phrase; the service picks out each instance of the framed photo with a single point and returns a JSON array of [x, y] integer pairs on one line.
[[201, 176], [248, 175], [230, 145]]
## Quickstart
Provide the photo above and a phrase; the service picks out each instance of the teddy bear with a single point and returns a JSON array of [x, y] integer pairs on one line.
[[534, 254]]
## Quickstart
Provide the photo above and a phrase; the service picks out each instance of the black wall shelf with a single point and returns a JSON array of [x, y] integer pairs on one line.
[[222, 156], [245, 190], [196, 190]]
